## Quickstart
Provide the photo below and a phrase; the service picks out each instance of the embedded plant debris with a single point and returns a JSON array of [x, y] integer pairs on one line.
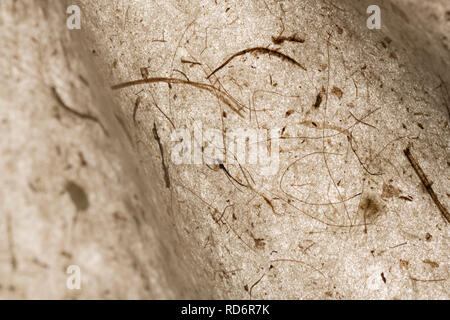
[[288, 113], [432, 264], [161, 150], [254, 285], [360, 121], [427, 184], [137, 103], [144, 73], [78, 114], [182, 73], [162, 112], [426, 280], [318, 101], [283, 215], [231, 102], [190, 62], [372, 208], [389, 191], [337, 92], [221, 166], [258, 50], [281, 39], [299, 262], [406, 198], [269, 203], [363, 165], [77, 195]]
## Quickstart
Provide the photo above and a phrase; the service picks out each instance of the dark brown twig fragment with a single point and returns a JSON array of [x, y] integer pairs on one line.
[[190, 62], [426, 183], [231, 102], [318, 101], [260, 50], [281, 39], [161, 150]]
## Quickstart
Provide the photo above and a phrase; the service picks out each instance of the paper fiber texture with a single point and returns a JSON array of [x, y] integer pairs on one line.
[[262, 157]]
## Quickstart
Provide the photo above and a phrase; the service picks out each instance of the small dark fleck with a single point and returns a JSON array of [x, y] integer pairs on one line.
[[432, 264], [77, 195], [144, 73], [318, 100], [337, 92], [66, 254], [383, 277], [406, 198], [288, 113], [82, 159], [259, 243]]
